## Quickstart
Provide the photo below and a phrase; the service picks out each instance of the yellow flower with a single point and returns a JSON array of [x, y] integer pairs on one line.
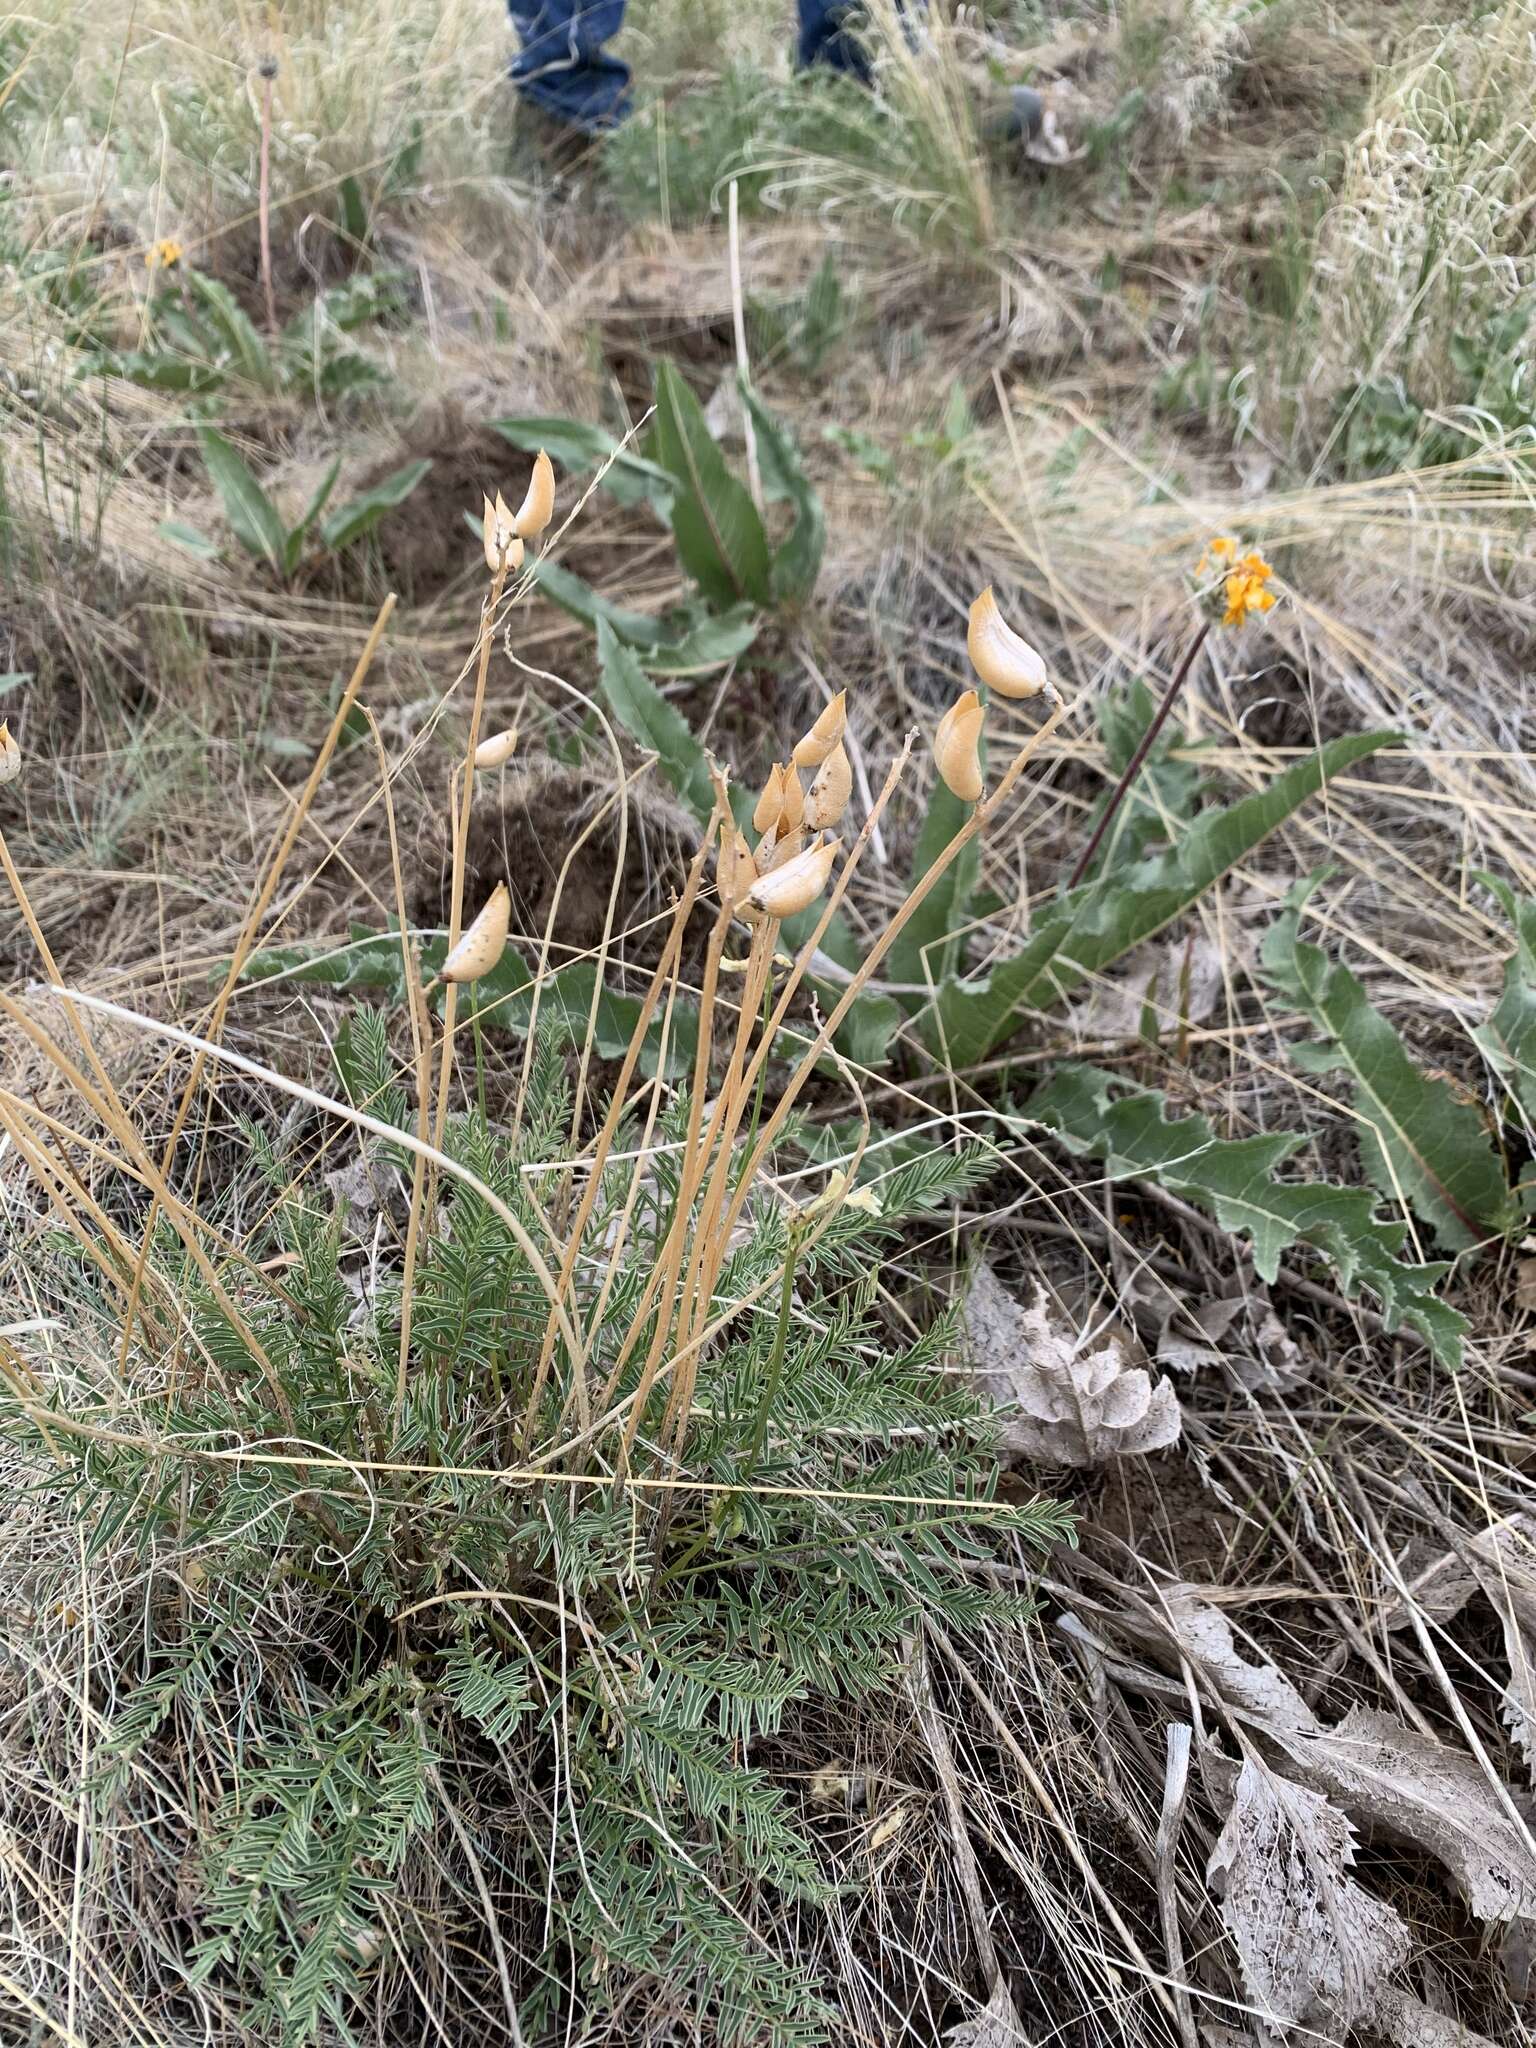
[[1218, 552], [164, 254], [1247, 590]]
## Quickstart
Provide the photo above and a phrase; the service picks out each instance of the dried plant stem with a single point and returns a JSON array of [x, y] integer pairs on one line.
[[664, 971], [466, 801], [978, 820], [246, 939], [420, 1040], [264, 195], [1147, 742]]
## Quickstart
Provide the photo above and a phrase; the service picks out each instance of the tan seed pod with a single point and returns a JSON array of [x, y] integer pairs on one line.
[[735, 869], [502, 546], [10, 756], [791, 803], [499, 748], [824, 735], [1004, 662], [484, 943], [774, 848], [538, 506], [797, 883], [957, 747], [765, 814], [827, 798]]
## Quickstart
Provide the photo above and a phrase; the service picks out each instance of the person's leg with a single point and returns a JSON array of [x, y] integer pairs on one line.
[[562, 66], [825, 38]]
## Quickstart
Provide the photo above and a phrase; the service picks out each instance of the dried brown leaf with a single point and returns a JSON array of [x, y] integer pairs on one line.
[[1314, 1945], [1075, 1401]]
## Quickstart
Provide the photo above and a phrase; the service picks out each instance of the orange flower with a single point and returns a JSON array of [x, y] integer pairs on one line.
[[1247, 590]]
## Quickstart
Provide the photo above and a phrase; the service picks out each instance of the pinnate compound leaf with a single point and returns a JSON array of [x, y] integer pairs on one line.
[[1508, 1040], [1420, 1142], [718, 532], [1235, 1180], [1095, 925]]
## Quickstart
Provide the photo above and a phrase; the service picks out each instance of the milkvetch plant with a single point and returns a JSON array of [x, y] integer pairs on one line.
[[515, 1568]]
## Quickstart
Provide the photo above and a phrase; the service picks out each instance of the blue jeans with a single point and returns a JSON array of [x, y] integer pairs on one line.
[[564, 68]]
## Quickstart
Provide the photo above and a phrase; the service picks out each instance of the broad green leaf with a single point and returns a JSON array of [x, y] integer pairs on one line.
[[1508, 1040], [363, 514], [1093, 926], [312, 511], [865, 1034], [352, 211], [797, 558], [159, 370], [241, 344], [577, 447], [1420, 1142], [930, 949], [189, 538], [657, 725], [1236, 1181], [253, 518], [719, 535], [704, 644], [574, 594]]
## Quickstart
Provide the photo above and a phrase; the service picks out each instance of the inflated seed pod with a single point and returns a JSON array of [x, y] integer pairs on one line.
[[824, 735], [831, 786], [765, 814], [502, 546], [735, 869], [774, 848], [1004, 662], [485, 941], [500, 747], [791, 803], [538, 506], [791, 888], [957, 747]]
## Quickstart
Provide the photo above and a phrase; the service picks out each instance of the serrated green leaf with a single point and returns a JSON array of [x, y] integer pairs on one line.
[[363, 514], [579, 448], [1098, 923], [1508, 1040], [718, 532], [159, 370], [1420, 1142], [797, 558], [253, 518], [1235, 1180]]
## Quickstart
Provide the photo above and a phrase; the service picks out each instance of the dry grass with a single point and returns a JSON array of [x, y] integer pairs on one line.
[[1014, 1826]]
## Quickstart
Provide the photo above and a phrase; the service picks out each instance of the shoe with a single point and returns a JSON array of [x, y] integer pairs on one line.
[[1028, 120]]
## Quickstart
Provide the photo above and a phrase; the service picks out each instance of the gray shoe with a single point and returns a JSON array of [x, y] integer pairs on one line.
[[1027, 120]]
